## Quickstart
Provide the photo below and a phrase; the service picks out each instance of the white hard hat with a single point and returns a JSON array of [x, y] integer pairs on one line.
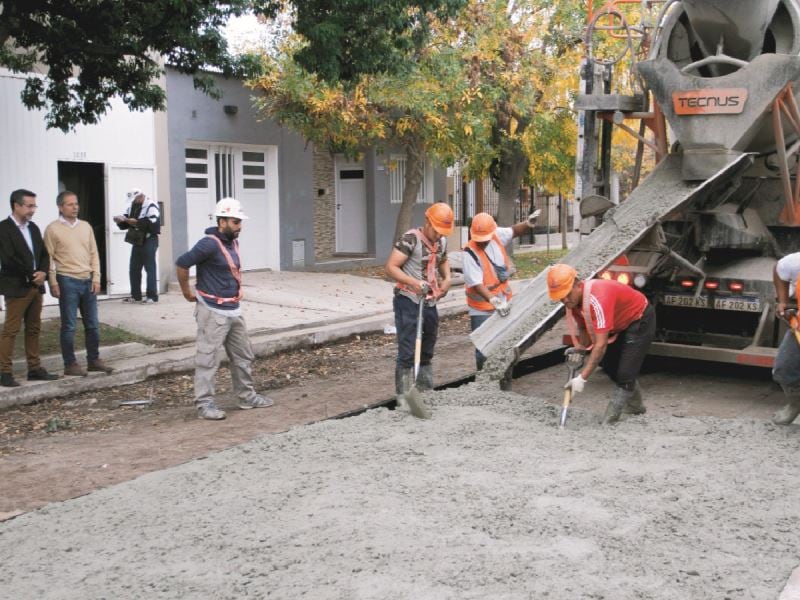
[[231, 208], [134, 193]]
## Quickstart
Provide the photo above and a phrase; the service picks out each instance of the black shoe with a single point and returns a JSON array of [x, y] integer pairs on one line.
[[41, 374], [7, 380]]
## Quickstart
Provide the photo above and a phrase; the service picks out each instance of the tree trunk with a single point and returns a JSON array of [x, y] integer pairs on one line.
[[510, 171], [415, 163]]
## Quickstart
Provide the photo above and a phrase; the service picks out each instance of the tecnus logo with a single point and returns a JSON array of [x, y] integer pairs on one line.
[[709, 102]]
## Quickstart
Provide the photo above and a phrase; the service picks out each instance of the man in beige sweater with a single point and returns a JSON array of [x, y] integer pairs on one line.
[[75, 280]]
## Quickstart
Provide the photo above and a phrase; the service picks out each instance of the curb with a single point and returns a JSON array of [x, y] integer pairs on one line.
[[181, 359]]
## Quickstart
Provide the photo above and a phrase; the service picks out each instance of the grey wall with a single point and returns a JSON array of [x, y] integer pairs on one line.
[[194, 116], [384, 213]]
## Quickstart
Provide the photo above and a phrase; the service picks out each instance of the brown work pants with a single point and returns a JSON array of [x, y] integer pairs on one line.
[[29, 309]]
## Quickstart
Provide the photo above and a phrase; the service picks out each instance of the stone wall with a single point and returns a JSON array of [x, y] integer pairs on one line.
[[324, 205]]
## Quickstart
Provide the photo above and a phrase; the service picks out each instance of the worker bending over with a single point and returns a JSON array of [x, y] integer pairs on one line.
[[613, 320], [419, 259], [488, 269], [786, 370]]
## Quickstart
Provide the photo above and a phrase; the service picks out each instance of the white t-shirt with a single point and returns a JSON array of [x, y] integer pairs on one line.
[[788, 268], [473, 272]]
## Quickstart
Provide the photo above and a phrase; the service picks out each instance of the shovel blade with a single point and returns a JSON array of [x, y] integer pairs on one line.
[[563, 421], [415, 404], [564, 407]]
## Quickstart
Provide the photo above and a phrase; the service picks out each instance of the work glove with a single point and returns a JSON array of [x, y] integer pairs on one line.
[[533, 217], [501, 306], [576, 384]]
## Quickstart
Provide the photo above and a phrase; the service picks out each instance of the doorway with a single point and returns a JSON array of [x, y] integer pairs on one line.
[[87, 180], [351, 208]]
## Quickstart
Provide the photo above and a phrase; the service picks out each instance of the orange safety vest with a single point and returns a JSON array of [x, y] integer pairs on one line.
[[234, 271], [490, 279], [430, 269]]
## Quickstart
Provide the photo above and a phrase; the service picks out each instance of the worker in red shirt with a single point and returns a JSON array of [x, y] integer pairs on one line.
[[616, 323]]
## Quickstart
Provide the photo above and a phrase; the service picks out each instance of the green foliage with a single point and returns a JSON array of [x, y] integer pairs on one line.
[[96, 49], [57, 424], [351, 38], [530, 264]]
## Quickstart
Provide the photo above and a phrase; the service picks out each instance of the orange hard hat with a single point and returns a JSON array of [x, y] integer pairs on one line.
[[482, 228], [440, 216], [560, 279]]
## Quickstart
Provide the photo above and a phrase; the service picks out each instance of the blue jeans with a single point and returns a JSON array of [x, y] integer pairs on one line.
[[786, 370], [144, 256], [405, 321], [76, 294], [476, 321]]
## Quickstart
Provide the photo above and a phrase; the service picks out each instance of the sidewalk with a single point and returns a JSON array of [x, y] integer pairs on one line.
[[555, 239], [283, 310]]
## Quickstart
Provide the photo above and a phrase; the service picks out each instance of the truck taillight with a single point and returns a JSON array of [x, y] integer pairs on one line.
[[711, 285], [606, 275], [623, 278], [687, 283], [735, 286]]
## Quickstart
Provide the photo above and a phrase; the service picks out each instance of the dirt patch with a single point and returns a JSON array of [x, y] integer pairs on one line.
[[93, 442], [171, 394], [486, 500]]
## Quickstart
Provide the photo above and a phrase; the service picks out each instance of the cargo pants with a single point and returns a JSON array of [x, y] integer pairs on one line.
[[215, 331]]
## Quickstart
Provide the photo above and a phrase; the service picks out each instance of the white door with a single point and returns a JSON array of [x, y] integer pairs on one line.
[[351, 207], [247, 173], [256, 181], [200, 198], [118, 253]]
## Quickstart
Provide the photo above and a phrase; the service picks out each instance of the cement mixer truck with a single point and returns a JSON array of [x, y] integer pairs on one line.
[[717, 82]]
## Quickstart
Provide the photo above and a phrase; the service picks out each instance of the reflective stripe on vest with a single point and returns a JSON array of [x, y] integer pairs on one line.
[[235, 271], [490, 280], [429, 269]]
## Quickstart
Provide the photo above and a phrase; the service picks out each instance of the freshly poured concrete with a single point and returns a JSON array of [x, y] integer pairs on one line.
[[488, 499]]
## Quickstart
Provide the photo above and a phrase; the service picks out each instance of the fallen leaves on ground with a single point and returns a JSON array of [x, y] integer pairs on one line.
[[172, 394]]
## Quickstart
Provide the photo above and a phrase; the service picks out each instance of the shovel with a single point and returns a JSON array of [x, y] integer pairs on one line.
[[574, 361], [413, 396]]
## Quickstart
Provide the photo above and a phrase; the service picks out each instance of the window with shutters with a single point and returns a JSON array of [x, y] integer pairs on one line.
[[254, 172], [196, 168]]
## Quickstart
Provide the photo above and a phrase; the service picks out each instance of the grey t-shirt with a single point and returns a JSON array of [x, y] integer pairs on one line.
[[418, 256]]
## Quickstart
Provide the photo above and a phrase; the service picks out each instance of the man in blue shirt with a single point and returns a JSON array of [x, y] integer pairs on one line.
[[218, 312]]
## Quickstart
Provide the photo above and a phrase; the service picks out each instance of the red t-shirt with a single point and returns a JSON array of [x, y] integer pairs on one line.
[[613, 306]]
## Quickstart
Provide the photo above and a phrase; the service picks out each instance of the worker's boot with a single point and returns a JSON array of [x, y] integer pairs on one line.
[[402, 383], [425, 378], [635, 406], [618, 401], [788, 413]]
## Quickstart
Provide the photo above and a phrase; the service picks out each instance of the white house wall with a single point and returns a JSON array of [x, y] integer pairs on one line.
[[30, 156]]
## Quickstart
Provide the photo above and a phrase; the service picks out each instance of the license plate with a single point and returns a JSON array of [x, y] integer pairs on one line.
[[740, 303]]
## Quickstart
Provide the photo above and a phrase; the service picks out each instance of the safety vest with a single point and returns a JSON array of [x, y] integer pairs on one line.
[[234, 271], [429, 269], [490, 279]]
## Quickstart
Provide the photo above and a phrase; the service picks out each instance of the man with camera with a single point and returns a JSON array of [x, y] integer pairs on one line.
[[142, 222]]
